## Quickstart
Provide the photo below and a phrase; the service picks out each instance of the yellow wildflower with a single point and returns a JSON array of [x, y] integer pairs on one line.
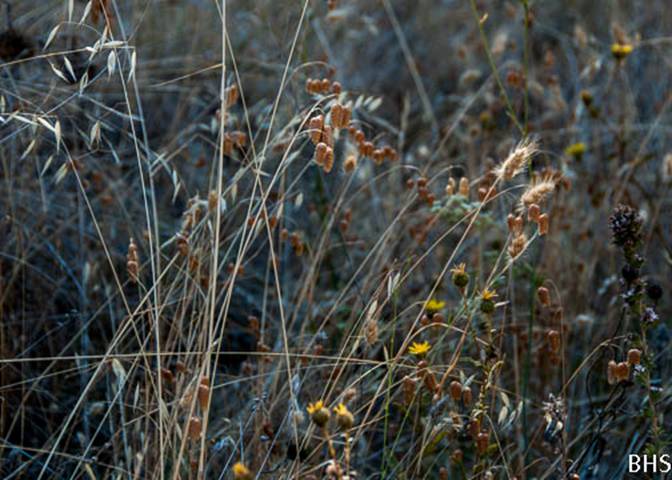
[[318, 413], [314, 407], [488, 300], [621, 50], [419, 349], [576, 149], [434, 305], [344, 416], [241, 472]]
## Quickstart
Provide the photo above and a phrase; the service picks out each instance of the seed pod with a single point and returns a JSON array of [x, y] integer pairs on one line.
[[634, 356], [167, 375], [553, 338], [544, 296], [455, 390], [203, 396], [350, 164], [622, 371], [329, 160], [195, 427], [430, 382], [517, 245], [337, 115], [474, 428], [378, 156], [467, 395], [482, 441], [328, 135], [315, 125], [367, 148], [231, 95], [320, 153], [409, 385], [336, 88], [464, 187], [533, 213], [543, 224], [511, 222]]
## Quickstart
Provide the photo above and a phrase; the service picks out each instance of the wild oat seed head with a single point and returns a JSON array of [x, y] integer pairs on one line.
[[538, 191], [517, 159]]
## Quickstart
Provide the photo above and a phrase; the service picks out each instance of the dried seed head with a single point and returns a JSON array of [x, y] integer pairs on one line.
[[543, 224], [455, 390], [450, 187], [366, 149], [203, 396], [544, 296], [409, 385], [622, 371], [517, 245], [467, 395], [337, 115], [533, 212], [511, 222], [378, 156], [537, 192], [553, 338], [482, 441], [195, 427], [464, 187], [315, 125], [350, 164], [231, 95], [430, 381], [167, 375], [371, 331], [320, 153], [212, 200], [328, 160], [132, 261], [517, 159]]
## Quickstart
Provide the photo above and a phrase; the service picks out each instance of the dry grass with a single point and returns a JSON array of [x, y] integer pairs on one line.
[[310, 239]]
